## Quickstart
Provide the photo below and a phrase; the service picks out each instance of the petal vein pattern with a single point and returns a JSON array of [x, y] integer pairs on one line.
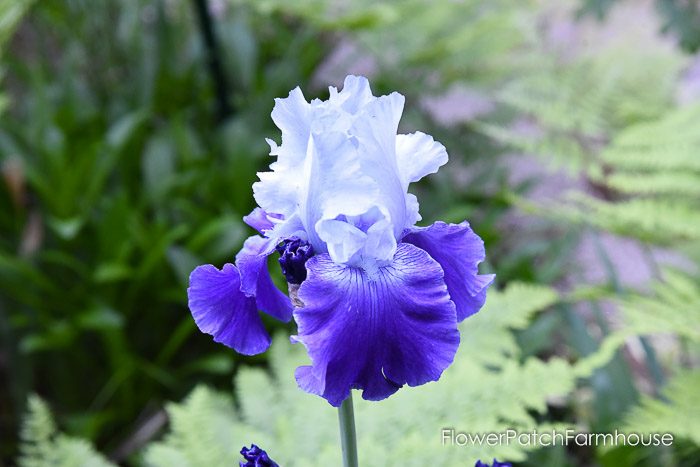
[[375, 334], [459, 251], [220, 308]]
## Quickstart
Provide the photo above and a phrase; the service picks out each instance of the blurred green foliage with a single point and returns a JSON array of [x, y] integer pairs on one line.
[[681, 18], [117, 183], [509, 394], [118, 178]]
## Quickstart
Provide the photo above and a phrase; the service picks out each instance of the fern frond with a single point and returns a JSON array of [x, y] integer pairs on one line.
[[679, 126], [37, 433], [657, 166], [11, 11], [561, 150], [202, 432], [654, 220], [666, 183], [678, 414], [74, 452], [486, 389], [490, 329], [656, 158], [579, 105], [673, 308], [43, 446], [568, 101]]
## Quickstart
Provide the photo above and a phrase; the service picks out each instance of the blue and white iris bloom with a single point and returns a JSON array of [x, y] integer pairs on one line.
[[379, 298]]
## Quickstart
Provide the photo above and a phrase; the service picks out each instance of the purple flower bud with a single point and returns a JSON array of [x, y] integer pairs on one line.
[[294, 253], [256, 457], [494, 464]]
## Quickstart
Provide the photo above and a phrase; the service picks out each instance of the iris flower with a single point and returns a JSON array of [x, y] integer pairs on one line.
[[376, 299]]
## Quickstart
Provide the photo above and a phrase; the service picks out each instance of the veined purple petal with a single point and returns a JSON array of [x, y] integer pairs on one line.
[[459, 251], [375, 331], [256, 281], [221, 309]]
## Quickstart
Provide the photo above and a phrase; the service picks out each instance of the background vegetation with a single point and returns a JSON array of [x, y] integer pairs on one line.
[[129, 141]]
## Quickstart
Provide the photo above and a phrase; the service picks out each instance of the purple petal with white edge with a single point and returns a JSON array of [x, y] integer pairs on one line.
[[256, 281], [374, 331], [459, 251], [220, 308]]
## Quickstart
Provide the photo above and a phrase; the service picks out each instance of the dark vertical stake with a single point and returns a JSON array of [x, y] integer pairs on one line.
[[216, 70]]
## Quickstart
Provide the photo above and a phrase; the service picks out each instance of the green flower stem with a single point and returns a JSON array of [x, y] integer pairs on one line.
[[348, 439]]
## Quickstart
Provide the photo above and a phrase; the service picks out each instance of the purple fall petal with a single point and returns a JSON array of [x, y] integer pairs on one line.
[[459, 251], [256, 281], [375, 332], [220, 308]]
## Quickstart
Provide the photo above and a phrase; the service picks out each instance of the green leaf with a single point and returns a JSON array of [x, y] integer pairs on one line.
[[123, 131], [101, 318], [183, 262], [158, 166], [67, 229], [11, 12], [112, 272]]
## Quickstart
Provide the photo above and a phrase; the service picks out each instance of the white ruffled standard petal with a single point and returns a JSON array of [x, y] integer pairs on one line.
[[375, 130], [355, 94], [418, 155], [338, 187], [292, 115], [278, 190], [343, 173]]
